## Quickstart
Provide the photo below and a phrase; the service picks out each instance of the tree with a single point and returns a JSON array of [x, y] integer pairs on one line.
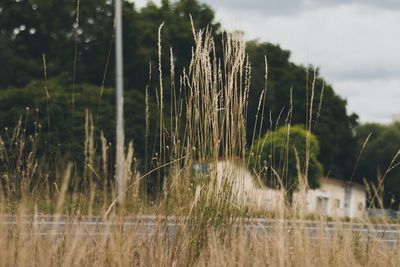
[[331, 124], [378, 157], [77, 44], [280, 155]]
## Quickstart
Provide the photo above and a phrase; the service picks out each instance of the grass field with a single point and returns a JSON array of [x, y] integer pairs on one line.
[[205, 122]]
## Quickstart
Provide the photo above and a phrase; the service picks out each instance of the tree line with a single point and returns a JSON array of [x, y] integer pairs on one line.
[[58, 59]]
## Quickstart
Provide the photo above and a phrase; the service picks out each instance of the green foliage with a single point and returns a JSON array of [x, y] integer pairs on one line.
[[380, 155], [50, 28], [36, 28], [331, 124], [279, 156], [62, 129]]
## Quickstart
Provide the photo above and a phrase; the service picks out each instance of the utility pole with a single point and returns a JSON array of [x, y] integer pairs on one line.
[[120, 179]]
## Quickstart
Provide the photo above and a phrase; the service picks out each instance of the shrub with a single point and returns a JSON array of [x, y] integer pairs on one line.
[[283, 156]]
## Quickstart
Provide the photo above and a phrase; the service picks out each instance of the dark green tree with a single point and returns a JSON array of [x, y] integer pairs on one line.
[[78, 42], [379, 160]]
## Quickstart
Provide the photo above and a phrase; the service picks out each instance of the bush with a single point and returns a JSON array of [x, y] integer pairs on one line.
[[279, 156]]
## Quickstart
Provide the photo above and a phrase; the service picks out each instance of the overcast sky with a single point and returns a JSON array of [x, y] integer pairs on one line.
[[355, 43]]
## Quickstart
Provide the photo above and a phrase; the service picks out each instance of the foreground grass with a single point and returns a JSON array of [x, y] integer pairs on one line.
[[190, 241]]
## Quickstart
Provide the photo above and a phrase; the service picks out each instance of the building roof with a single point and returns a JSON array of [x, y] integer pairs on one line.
[[341, 182]]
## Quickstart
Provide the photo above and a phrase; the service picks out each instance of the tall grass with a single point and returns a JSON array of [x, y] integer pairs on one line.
[[197, 221]]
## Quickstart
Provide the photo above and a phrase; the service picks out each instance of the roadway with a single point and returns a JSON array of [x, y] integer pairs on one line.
[[46, 225]]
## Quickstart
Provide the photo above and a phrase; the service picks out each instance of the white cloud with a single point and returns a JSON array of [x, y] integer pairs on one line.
[[376, 100], [142, 3], [290, 7]]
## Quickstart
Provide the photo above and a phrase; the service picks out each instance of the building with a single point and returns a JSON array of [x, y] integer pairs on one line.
[[247, 191], [335, 198]]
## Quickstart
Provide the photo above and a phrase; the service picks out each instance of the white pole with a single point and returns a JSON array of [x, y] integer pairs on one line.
[[120, 179]]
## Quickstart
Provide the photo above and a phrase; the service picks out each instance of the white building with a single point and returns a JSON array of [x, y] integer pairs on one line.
[[335, 198], [247, 191]]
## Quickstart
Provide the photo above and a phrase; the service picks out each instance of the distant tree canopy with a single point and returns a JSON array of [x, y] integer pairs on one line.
[[281, 156], [77, 48], [55, 29], [55, 115], [380, 160]]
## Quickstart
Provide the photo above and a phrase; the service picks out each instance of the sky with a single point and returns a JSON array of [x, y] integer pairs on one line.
[[354, 43]]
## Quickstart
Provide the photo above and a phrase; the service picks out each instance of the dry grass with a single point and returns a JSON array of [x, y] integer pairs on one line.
[[207, 121], [78, 245]]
